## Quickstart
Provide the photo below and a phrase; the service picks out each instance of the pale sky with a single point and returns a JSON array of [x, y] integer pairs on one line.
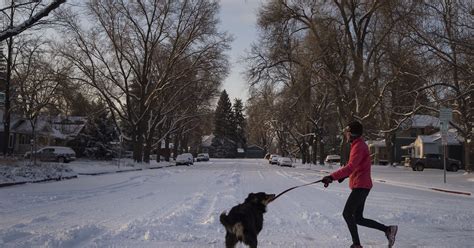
[[238, 17]]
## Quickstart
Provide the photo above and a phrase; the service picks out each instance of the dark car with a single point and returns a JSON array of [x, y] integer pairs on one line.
[[433, 161]]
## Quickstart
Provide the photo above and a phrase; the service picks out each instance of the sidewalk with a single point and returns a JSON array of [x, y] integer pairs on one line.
[[430, 179], [21, 173]]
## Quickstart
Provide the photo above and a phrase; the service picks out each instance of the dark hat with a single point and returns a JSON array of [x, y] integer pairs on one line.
[[355, 128]]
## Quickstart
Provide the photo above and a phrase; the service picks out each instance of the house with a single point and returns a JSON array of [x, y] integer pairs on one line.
[[56, 130], [378, 151], [254, 151], [432, 144], [206, 143], [423, 128], [410, 130]]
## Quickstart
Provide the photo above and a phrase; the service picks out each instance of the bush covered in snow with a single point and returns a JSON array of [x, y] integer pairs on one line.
[[21, 172]]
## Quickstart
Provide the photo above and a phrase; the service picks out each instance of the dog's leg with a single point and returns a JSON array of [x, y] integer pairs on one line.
[[230, 240], [251, 240]]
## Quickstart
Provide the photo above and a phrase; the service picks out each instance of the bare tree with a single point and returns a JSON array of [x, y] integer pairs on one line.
[[136, 52], [334, 50], [37, 79], [34, 11], [446, 32]]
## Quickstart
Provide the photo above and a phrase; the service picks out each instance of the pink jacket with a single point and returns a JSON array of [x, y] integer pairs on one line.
[[358, 167]]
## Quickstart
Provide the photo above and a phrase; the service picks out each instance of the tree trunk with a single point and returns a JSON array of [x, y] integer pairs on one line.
[[7, 116], [468, 153], [175, 146], [314, 155], [321, 152], [167, 148]]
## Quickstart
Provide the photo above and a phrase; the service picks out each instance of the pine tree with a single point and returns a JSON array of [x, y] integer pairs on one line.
[[223, 117], [239, 124], [95, 139], [223, 144]]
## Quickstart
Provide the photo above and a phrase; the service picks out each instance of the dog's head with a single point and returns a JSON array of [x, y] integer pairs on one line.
[[260, 197]]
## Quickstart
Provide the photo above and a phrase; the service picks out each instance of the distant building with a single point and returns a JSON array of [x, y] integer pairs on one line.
[[254, 151], [418, 135], [56, 130]]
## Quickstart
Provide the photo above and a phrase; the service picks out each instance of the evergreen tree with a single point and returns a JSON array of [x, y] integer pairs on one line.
[[239, 124], [94, 140], [223, 117], [223, 144]]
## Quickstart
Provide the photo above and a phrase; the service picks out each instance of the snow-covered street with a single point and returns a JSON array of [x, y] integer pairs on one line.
[[180, 206]]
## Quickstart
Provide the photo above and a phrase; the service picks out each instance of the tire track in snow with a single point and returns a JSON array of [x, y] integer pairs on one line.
[[197, 215]]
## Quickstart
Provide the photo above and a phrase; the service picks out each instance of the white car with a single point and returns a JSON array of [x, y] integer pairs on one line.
[[332, 159], [59, 154], [202, 157], [284, 161], [273, 159], [185, 159]]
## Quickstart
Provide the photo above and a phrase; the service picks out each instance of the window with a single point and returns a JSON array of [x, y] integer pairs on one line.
[[10, 141], [24, 139]]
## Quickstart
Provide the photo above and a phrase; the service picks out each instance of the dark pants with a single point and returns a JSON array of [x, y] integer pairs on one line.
[[353, 214]]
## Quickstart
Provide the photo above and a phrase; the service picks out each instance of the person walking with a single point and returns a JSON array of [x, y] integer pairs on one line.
[[360, 182]]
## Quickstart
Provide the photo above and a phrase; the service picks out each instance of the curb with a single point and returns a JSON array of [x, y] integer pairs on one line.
[[122, 171], [451, 191], [2, 185], [37, 181], [434, 189]]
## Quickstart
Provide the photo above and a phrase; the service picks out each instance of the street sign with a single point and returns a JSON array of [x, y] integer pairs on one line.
[[445, 116], [444, 138]]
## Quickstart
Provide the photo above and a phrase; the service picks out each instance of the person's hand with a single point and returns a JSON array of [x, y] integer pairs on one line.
[[327, 180], [342, 179]]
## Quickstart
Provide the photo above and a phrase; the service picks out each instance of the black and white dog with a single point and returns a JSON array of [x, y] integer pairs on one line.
[[245, 221]]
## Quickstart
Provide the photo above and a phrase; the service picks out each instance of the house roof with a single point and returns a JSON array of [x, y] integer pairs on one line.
[[453, 138], [376, 143], [52, 126], [207, 140], [420, 121], [255, 147]]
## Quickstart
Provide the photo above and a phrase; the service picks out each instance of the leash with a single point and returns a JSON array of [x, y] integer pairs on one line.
[[292, 188]]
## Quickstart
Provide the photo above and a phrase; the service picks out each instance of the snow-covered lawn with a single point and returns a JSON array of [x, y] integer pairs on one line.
[[180, 206]]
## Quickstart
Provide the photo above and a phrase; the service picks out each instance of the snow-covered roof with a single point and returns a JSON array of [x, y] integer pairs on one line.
[[420, 121], [426, 138], [71, 129], [61, 128], [207, 140], [376, 143], [453, 138], [254, 146]]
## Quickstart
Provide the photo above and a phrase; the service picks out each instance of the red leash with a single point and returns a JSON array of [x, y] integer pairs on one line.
[[294, 188]]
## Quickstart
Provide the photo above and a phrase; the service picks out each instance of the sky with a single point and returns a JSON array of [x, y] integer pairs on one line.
[[238, 17]]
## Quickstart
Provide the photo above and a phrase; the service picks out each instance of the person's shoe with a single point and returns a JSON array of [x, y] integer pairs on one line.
[[390, 234], [356, 246]]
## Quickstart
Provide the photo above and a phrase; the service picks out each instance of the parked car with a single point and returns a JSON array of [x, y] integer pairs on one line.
[[202, 157], [273, 159], [332, 159], [60, 154], [185, 159], [284, 161], [433, 161]]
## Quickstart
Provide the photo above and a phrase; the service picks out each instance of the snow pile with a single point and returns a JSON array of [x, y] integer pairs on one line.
[[18, 173]]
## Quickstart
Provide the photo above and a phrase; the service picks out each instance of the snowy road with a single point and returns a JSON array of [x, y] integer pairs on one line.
[[179, 207]]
